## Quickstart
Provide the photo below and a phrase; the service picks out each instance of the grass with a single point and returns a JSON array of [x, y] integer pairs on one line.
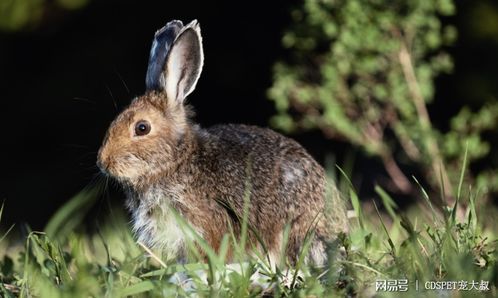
[[419, 245]]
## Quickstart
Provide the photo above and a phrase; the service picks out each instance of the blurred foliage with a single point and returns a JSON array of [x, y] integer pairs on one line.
[[483, 21], [17, 15], [363, 71]]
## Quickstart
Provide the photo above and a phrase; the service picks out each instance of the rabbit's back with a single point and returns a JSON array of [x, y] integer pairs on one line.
[[263, 162], [281, 182]]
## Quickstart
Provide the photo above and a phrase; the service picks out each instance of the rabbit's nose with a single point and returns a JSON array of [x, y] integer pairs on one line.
[[101, 165], [102, 161]]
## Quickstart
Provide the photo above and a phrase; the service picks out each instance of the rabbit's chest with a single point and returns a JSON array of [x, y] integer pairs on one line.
[[155, 223]]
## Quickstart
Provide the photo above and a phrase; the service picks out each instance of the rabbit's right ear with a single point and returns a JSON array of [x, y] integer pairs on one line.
[[183, 63]]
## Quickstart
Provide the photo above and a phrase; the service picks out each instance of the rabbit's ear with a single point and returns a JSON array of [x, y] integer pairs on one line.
[[183, 63], [163, 40]]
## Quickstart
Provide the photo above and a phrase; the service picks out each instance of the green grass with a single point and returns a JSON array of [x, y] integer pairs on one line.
[[421, 244]]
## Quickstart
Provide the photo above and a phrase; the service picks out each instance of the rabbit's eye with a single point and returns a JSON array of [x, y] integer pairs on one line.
[[142, 128]]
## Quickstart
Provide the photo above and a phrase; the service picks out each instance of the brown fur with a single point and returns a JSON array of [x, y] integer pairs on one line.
[[209, 167], [205, 175]]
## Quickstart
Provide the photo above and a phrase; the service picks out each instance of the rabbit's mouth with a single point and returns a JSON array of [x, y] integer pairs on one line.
[[127, 169], [108, 166], [113, 172], [115, 166], [107, 169]]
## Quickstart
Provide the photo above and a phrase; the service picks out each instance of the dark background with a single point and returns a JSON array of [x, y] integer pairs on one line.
[[64, 78]]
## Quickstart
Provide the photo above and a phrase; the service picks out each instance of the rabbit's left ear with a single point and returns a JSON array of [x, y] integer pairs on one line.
[[183, 63], [163, 40]]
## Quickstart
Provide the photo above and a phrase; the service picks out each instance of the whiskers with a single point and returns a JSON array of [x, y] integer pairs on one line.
[[122, 81], [102, 183], [98, 182], [112, 97]]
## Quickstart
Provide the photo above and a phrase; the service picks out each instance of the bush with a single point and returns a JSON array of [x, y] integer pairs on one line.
[[363, 72]]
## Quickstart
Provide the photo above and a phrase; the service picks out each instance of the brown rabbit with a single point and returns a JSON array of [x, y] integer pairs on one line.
[[165, 162]]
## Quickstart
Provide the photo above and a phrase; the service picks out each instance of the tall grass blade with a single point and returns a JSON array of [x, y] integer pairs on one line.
[[427, 200], [71, 214], [9, 229], [389, 239], [355, 201], [442, 188], [387, 201], [462, 172]]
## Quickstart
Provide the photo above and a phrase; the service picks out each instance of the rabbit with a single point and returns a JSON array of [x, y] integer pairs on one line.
[[170, 167]]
